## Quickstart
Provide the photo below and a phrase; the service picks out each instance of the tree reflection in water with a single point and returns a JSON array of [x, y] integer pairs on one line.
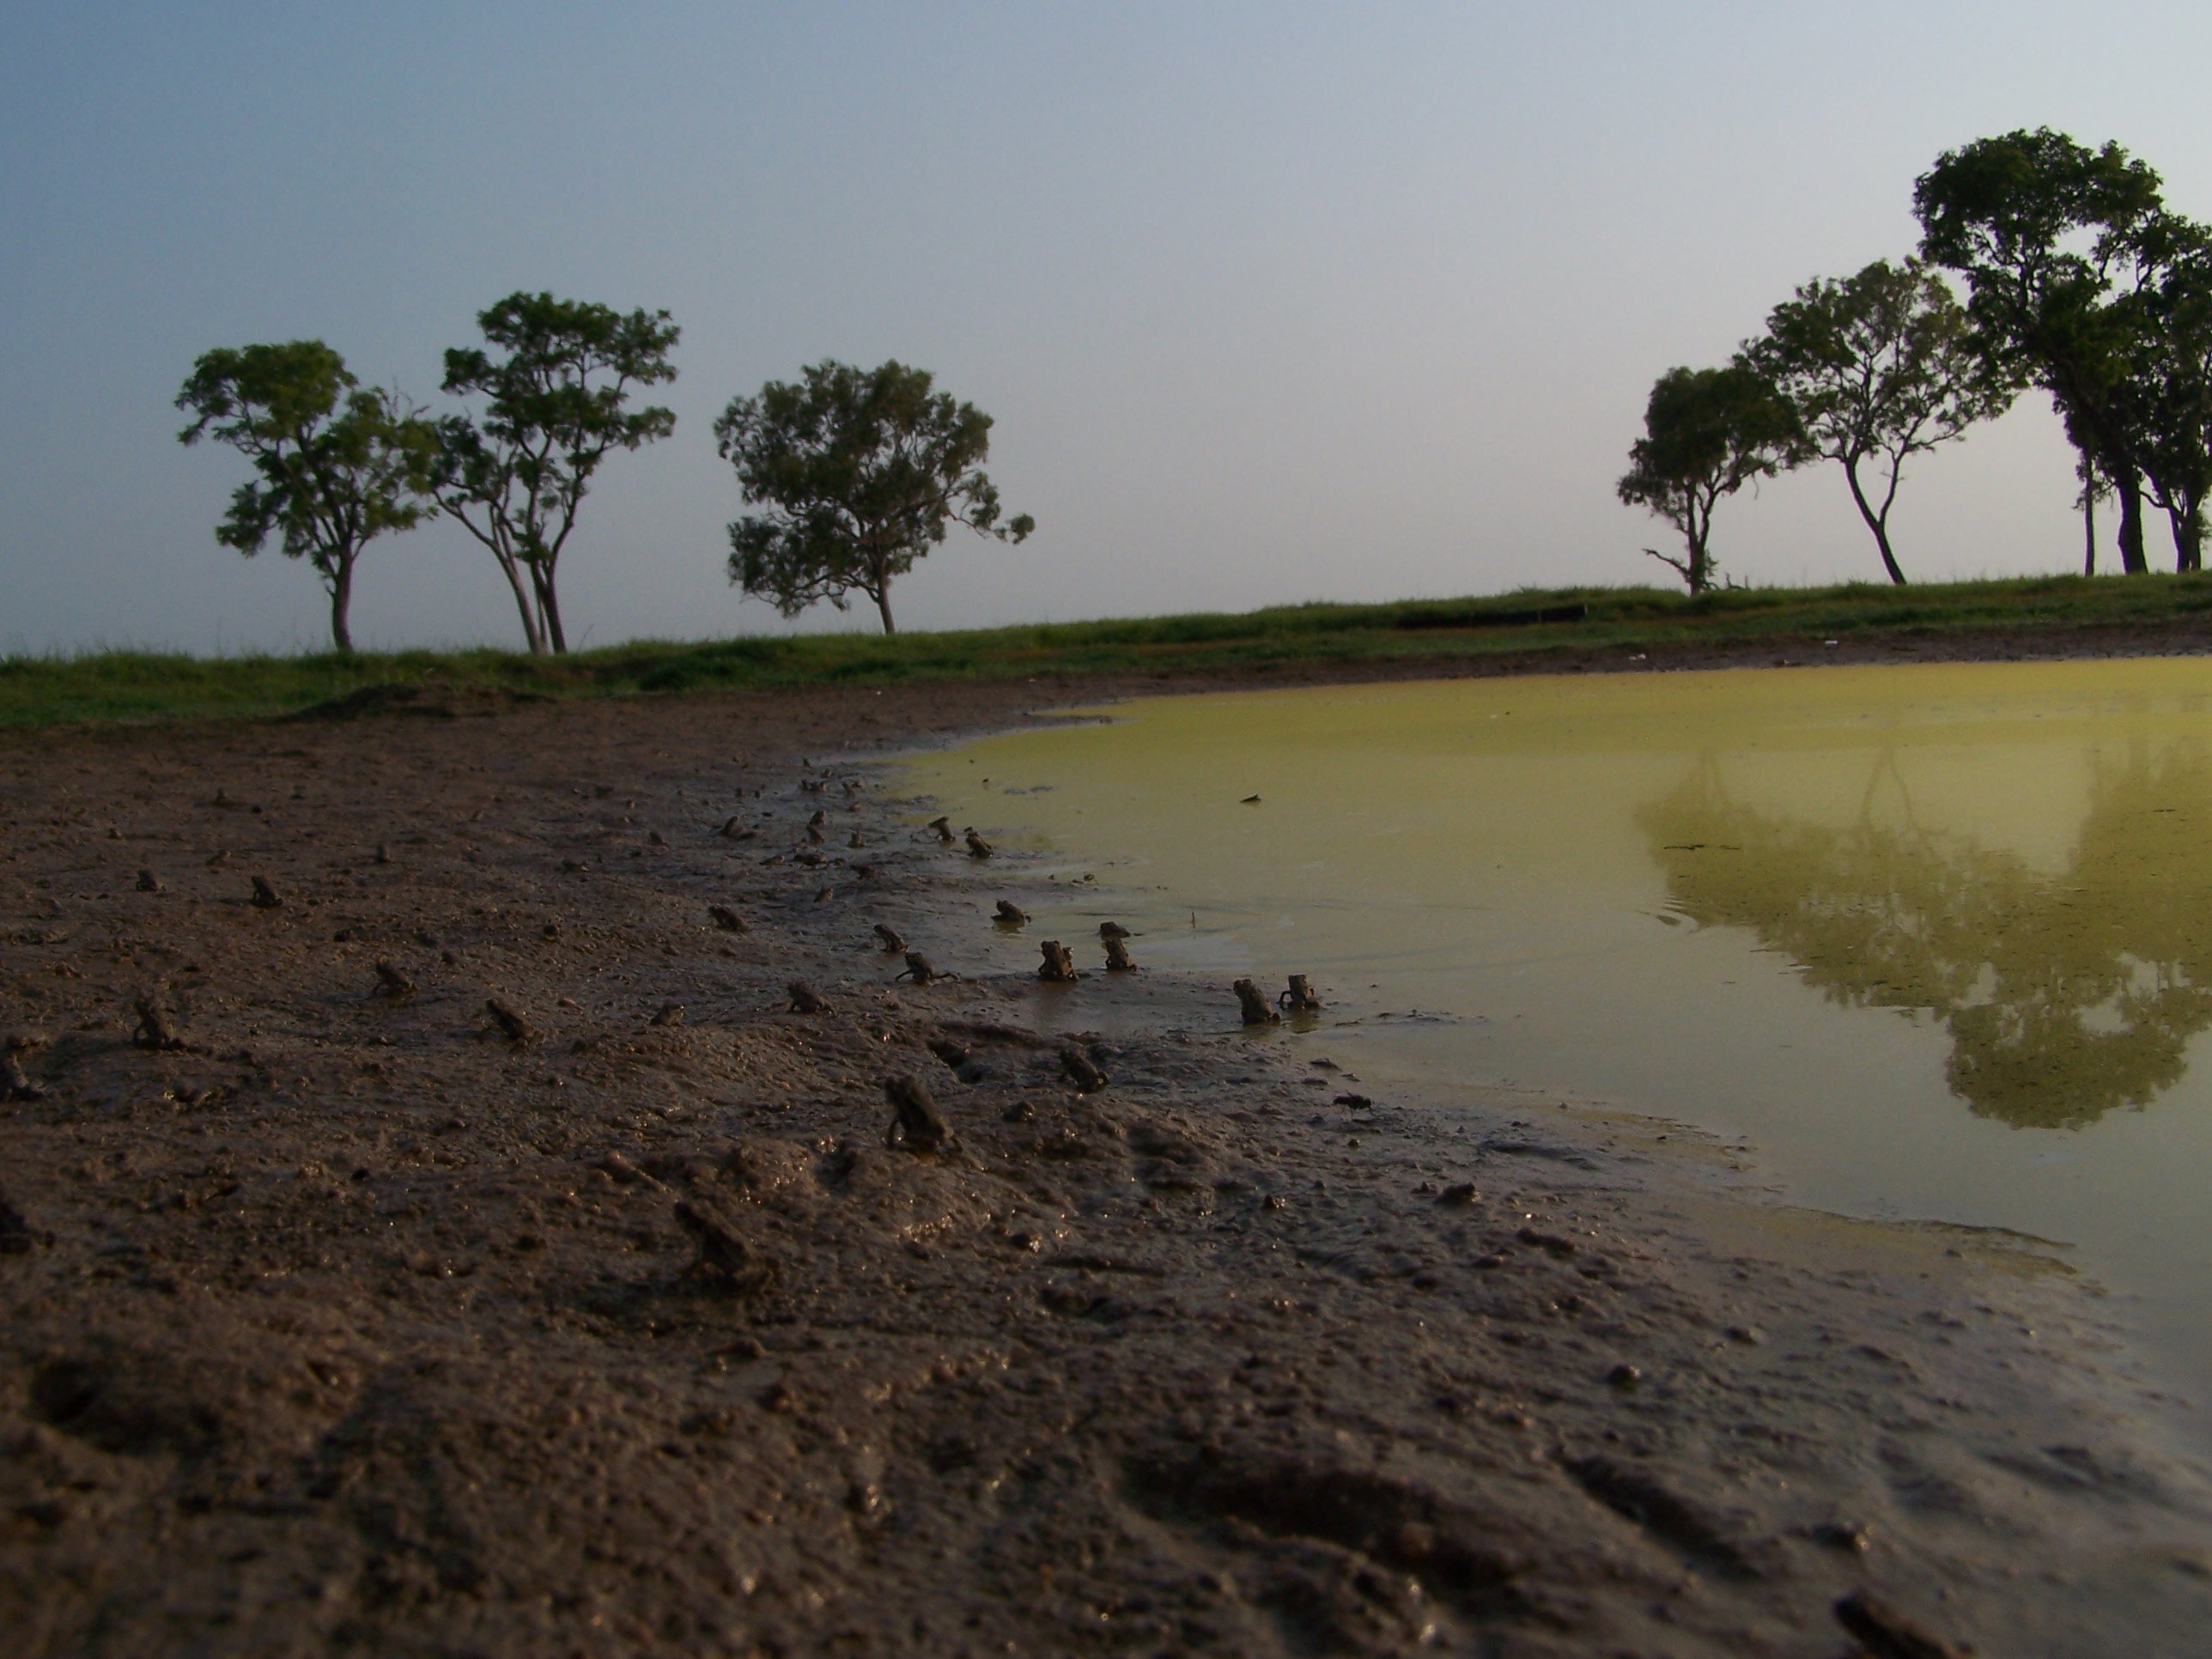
[[2064, 996]]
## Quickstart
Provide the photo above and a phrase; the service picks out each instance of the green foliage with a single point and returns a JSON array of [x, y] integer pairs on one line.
[[555, 404], [1707, 432], [334, 464], [862, 472], [1880, 366]]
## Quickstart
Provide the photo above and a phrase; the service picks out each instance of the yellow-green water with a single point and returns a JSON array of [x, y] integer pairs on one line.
[[1936, 941]]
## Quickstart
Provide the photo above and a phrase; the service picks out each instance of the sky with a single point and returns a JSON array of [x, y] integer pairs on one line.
[[1270, 302]]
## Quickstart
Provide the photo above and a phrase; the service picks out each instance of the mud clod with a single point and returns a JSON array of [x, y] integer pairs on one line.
[[1883, 1633], [1085, 1076], [16, 1237], [916, 1124], [156, 1030], [509, 1020], [1058, 967], [1256, 1009], [723, 1253]]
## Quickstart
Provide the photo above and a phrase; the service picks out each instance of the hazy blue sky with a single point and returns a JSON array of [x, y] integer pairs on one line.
[[1271, 302]]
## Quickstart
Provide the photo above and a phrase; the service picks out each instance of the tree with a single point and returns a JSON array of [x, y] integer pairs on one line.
[[1876, 367], [1707, 432], [862, 472], [2048, 235], [337, 464], [2168, 392], [553, 407]]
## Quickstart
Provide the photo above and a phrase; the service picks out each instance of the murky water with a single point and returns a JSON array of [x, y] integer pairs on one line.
[[1936, 942]]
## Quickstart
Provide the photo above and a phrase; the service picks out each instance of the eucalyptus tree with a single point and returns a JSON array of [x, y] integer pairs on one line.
[[555, 402], [862, 472], [2054, 239], [1707, 432], [1873, 368], [335, 464]]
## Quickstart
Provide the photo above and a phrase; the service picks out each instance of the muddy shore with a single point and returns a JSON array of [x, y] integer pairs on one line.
[[336, 1316]]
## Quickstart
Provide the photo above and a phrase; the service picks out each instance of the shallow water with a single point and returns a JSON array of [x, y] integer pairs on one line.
[[1932, 942]]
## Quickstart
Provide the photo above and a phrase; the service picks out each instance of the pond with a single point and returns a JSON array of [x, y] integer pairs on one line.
[[1927, 942]]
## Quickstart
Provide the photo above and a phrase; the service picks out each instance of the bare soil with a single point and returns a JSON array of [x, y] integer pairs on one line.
[[341, 1311]]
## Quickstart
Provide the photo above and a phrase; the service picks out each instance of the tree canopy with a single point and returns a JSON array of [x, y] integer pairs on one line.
[[335, 464], [862, 472], [2051, 238], [1877, 367], [555, 404], [1707, 432]]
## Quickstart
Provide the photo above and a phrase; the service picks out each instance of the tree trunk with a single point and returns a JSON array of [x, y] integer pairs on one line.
[[341, 603], [2188, 536], [2132, 561], [1698, 534], [530, 635], [549, 609], [882, 595], [1874, 521], [2090, 529]]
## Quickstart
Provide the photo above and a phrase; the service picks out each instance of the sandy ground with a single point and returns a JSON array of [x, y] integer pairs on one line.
[[340, 1322]]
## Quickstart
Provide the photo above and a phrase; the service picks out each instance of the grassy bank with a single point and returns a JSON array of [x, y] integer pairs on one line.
[[128, 686]]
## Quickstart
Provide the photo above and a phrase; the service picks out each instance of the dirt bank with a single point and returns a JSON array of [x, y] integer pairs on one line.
[[335, 1320]]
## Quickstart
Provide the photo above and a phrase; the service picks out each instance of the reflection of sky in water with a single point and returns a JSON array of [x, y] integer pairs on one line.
[[1934, 939]]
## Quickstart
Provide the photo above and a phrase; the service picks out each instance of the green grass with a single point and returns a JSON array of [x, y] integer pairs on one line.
[[109, 686]]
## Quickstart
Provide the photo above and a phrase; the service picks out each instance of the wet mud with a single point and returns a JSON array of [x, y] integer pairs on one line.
[[340, 1312]]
